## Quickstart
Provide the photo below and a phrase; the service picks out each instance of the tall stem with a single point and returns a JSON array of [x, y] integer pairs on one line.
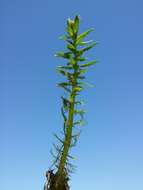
[[68, 135]]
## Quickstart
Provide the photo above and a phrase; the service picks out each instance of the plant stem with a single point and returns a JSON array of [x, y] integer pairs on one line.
[[68, 135]]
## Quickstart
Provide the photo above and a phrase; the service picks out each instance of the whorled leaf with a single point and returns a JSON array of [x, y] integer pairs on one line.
[[81, 51], [59, 139], [71, 47], [81, 59], [67, 74], [79, 112], [76, 24], [80, 37], [75, 139], [82, 71], [72, 61], [65, 86], [63, 114], [77, 88], [71, 157], [85, 43], [66, 103], [88, 64], [65, 67], [66, 55], [80, 102]]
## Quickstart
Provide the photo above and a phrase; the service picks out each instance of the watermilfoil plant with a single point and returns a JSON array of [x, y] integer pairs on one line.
[[74, 73]]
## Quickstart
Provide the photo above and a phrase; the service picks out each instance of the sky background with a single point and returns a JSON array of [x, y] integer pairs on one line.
[[110, 150]]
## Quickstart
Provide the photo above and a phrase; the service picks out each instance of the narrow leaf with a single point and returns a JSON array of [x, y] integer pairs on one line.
[[80, 112], [66, 55], [71, 47], [64, 37], [58, 149], [63, 114], [80, 37], [77, 88], [58, 138], [88, 64], [81, 59], [64, 73], [76, 24], [81, 102], [66, 103], [85, 43], [65, 67], [81, 51], [70, 24], [64, 86], [72, 157], [76, 135], [80, 122], [82, 71], [72, 61]]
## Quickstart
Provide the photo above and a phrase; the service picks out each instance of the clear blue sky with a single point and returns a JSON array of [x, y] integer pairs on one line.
[[110, 150]]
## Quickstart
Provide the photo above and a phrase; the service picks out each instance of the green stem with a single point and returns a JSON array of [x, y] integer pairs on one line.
[[68, 135]]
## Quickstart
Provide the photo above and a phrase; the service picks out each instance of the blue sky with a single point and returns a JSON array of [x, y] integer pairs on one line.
[[110, 149]]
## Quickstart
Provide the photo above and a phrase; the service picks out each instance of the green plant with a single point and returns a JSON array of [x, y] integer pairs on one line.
[[74, 73]]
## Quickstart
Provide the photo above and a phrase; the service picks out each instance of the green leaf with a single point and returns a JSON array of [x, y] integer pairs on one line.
[[81, 51], [80, 37], [64, 73], [78, 122], [66, 55], [74, 139], [81, 102], [64, 37], [77, 88], [80, 112], [76, 24], [76, 135], [82, 71], [70, 167], [63, 114], [72, 61], [66, 103], [69, 41], [72, 157], [64, 86], [88, 64], [57, 148], [58, 138], [71, 47], [65, 67], [70, 32], [70, 24], [81, 59], [85, 43]]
